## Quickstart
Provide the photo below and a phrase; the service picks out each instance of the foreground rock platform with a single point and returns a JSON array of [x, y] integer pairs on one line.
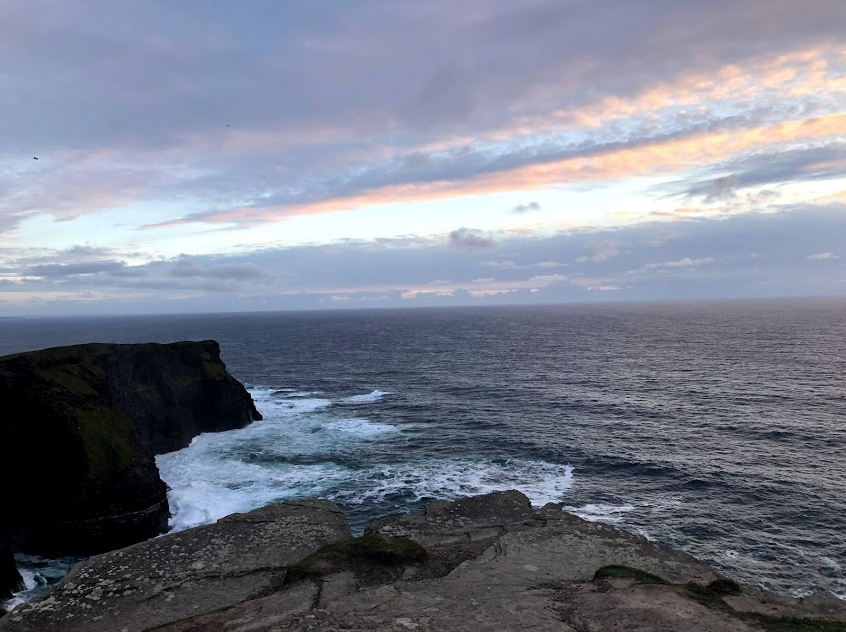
[[485, 563], [180, 575]]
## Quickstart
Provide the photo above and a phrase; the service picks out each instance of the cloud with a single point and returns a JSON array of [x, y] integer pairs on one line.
[[471, 239], [793, 164], [580, 99], [696, 259], [547, 279], [602, 250], [510, 265], [526, 208], [233, 272], [822, 256], [685, 262], [142, 123], [719, 189], [59, 270]]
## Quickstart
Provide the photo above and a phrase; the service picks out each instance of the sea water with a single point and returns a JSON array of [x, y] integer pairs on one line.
[[718, 428]]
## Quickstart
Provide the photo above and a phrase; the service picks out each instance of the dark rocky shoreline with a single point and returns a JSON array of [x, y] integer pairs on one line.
[[82, 427], [489, 562]]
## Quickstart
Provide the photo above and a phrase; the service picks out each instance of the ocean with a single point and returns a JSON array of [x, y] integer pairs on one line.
[[718, 428]]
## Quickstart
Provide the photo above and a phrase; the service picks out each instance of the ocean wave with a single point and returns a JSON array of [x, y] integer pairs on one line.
[[270, 401], [601, 512], [215, 477], [366, 398], [446, 479], [38, 573], [361, 427]]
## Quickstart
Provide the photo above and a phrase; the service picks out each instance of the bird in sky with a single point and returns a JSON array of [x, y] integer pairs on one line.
[[35, 157]]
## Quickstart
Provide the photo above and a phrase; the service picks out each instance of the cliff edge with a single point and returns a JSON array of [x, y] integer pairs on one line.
[[81, 427], [481, 564]]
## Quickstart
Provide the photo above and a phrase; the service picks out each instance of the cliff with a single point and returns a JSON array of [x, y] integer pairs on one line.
[[81, 428], [10, 579], [485, 563]]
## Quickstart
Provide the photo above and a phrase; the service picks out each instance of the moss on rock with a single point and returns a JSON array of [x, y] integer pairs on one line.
[[359, 555], [790, 624], [627, 572]]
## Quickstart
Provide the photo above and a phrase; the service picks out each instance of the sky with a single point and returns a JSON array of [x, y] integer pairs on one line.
[[205, 156]]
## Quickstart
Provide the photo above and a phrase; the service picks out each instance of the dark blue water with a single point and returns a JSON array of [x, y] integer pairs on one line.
[[719, 428]]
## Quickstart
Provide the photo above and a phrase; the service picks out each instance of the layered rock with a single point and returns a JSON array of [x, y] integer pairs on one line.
[[82, 426], [487, 563]]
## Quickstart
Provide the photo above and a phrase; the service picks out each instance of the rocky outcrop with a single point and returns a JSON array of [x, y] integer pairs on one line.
[[10, 579], [83, 424], [487, 563], [185, 574]]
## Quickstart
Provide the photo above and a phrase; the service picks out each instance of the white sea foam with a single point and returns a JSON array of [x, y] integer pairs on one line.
[[223, 473], [37, 573], [227, 487], [643, 532], [662, 504], [31, 583], [268, 406], [542, 482], [301, 450], [831, 562], [601, 512], [287, 455], [366, 398], [361, 427]]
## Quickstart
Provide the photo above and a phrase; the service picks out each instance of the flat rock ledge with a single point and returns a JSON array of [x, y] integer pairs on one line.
[[485, 563], [140, 587]]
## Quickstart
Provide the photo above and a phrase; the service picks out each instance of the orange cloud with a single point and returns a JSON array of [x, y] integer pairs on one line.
[[663, 157], [814, 72]]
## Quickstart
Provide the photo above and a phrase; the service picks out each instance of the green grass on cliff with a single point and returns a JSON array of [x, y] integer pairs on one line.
[[627, 572], [68, 377], [357, 554], [108, 440], [789, 624], [711, 596]]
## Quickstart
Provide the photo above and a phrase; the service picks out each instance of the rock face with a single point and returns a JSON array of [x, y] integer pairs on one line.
[[10, 579], [241, 557], [488, 563], [81, 429]]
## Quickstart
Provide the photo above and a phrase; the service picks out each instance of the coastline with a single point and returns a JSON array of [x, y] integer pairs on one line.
[[490, 562]]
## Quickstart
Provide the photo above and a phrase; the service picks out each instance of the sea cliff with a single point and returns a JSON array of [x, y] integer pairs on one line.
[[10, 579], [81, 427], [484, 563]]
